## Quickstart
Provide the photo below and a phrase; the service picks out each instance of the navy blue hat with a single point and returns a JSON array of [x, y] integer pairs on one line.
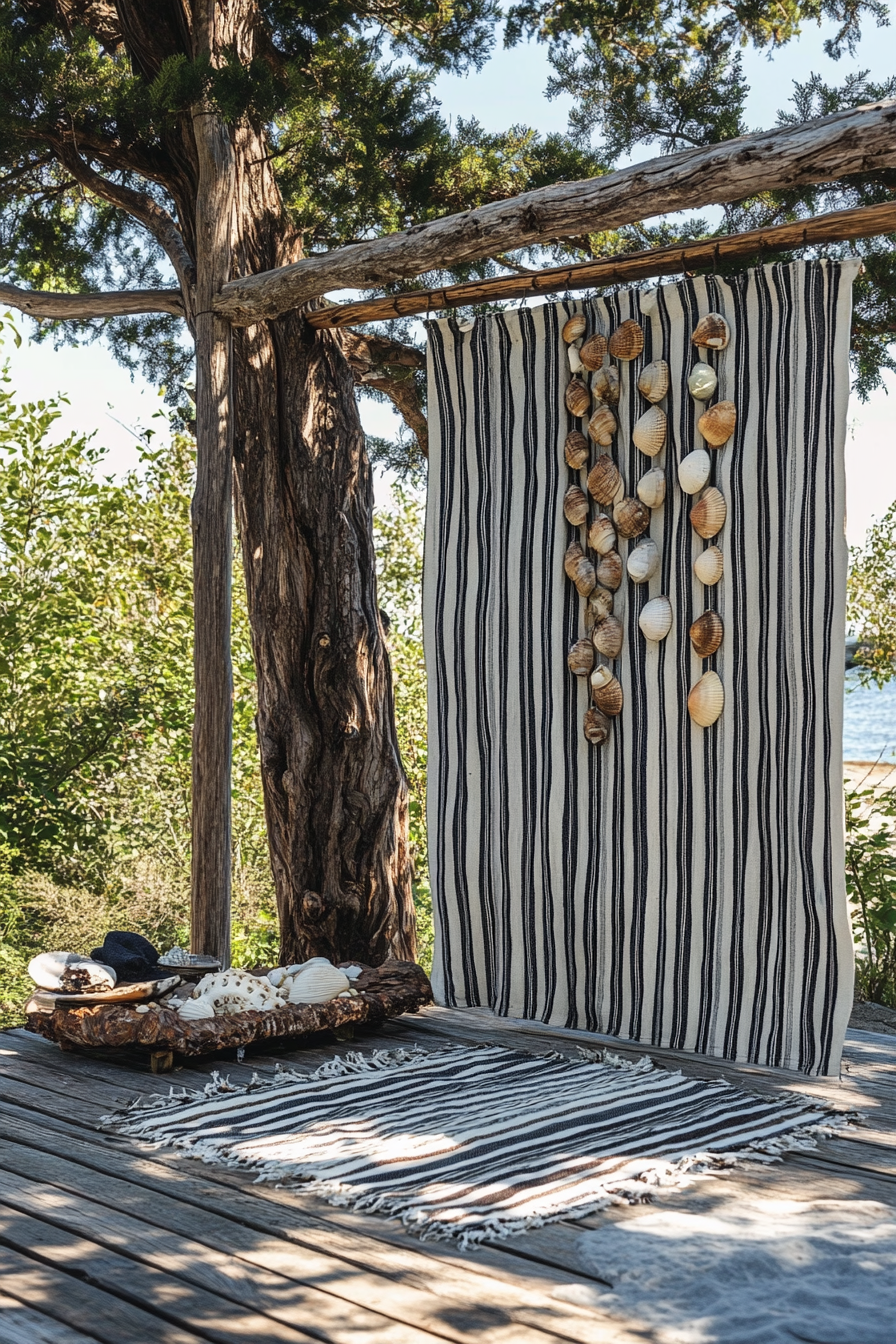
[[131, 956]]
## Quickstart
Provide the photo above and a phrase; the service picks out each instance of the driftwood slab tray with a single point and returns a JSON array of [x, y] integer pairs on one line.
[[389, 990], [45, 1000]]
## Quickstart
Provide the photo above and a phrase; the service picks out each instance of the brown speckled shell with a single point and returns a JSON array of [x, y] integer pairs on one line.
[[605, 384], [706, 634], [604, 479], [608, 698], [576, 450], [709, 513], [593, 351], [573, 328], [601, 534], [574, 554], [711, 332], [584, 577], [717, 424], [581, 657], [607, 636], [578, 398], [627, 340], [575, 506], [596, 727], [609, 570], [631, 517], [600, 605], [602, 425]]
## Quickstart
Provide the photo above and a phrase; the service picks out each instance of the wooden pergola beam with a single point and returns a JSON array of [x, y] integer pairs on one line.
[[837, 227], [53, 306]]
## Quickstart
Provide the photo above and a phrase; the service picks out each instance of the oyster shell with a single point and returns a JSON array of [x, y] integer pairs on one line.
[[707, 633], [596, 726], [602, 425], [709, 513], [575, 506], [709, 565], [601, 534], [653, 382], [631, 517], [649, 433], [580, 658], [702, 382], [609, 570], [712, 332], [693, 471], [577, 397], [593, 351], [573, 328], [627, 340], [605, 384], [607, 637], [651, 489], [656, 618], [604, 480], [717, 424], [576, 450], [706, 700], [643, 561]]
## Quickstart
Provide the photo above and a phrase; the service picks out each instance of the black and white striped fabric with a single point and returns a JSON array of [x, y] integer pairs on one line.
[[678, 886], [477, 1143]]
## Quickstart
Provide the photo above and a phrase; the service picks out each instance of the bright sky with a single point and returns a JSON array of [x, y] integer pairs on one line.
[[103, 397]]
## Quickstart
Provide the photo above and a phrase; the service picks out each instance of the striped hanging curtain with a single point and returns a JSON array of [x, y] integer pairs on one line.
[[677, 885]]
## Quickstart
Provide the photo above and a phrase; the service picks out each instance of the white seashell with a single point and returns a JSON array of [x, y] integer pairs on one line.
[[654, 380], [352, 972], [649, 434], [142, 1008], [693, 471], [702, 382], [70, 972], [707, 699], [575, 359], [643, 561], [318, 984], [602, 535], [651, 489], [709, 565], [656, 618], [277, 976], [196, 1009]]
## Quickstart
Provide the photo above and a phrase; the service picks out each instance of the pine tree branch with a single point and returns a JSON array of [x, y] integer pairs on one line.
[[405, 397], [81, 307]]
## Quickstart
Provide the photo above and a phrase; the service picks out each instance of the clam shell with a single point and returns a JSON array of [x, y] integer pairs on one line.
[[604, 479], [575, 506], [709, 565], [706, 700], [577, 397], [709, 513], [194, 1010], [717, 424], [656, 618], [605, 384], [601, 534], [607, 636], [693, 471], [653, 382], [581, 658], [607, 697], [702, 382], [576, 450], [318, 984], [601, 676], [706, 634], [609, 570], [584, 576], [573, 328], [593, 351], [574, 554], [600, 604], [649, 434], [602, 425], [651, 489], [596, 726], [627, 340], [712, 331], [575, 359], [631, 517], [643, 561]]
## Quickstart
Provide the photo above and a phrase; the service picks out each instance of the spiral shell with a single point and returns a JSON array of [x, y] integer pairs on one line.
[[706, 700], [651, 489], [580, 658], [607, 693], [602, 425], [576, 450], [702, 382], [649, 434], [600, 605], [605, 384], [653, 382], [593, 351], [709, 513], [643, 561], [596, 727], [573, 328], [627, 340], [607, 637], [712, 331], [706, 634], [575, 506], [609, 570], [656, 618], [631, 517], [577, 396], [604, 480], [717, 424], [693, 471], [601, 534], [709, 565]]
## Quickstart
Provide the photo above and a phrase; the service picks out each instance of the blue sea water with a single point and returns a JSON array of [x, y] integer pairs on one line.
[[869, 721]]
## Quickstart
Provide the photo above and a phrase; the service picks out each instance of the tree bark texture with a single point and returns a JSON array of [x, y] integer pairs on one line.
[[859, 140]]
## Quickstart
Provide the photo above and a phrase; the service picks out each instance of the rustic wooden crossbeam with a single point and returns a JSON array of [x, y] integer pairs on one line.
[[837, 227]]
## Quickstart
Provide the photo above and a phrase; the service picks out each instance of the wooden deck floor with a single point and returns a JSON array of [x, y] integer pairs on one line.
[[103, 1239]]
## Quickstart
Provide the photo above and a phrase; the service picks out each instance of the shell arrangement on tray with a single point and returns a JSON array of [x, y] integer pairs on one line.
[[234, 991], [611, 517]]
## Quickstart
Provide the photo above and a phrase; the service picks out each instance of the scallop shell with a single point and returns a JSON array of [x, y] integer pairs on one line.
[[693, 471], [607, 637], [575, 359], [604, 479], [627, 340], [631, 517], [574, 554], [602, 425], [709, 565], [600, 604], [649, 434], [706, 634], [584, 576], [596, 727], [656, 618], [580, 658], [575, 506], [654, 380], [702, 382], [605, 384], [607, 697], [712, 331], [576, 450], [651, 489], [593, 351], [601, 534], [643, 561], [578, 398], [709, 513], [706, 700], [573, 328], [609, 570], [717, 424], [318, 984], [196, 1009]]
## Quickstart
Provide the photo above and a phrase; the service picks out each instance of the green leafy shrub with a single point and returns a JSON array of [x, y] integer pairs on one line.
[[871, 883]]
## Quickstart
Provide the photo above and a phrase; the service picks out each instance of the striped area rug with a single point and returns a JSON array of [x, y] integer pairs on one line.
[[477, 1143], [677, 886]]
